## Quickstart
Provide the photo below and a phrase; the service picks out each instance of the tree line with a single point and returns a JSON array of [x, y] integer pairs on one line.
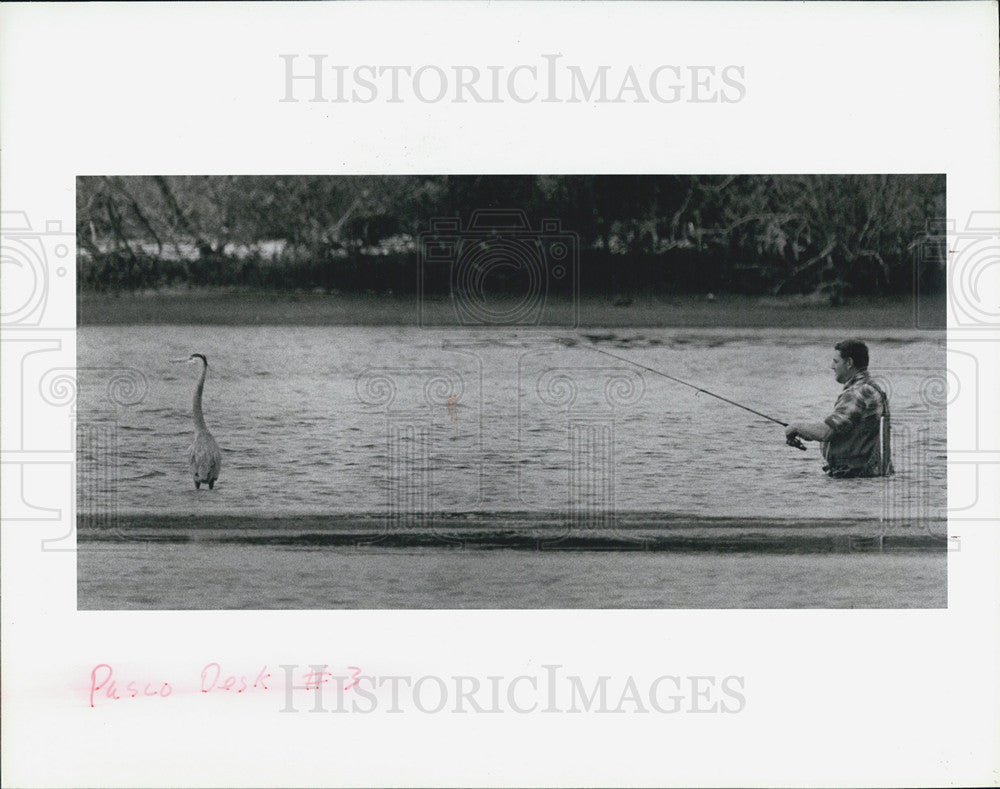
[[837, 235]]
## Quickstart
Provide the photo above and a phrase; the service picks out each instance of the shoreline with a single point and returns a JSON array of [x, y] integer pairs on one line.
[[528, 531], [239, 308]]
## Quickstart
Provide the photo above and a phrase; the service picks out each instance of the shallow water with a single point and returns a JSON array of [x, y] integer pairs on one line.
[[188, 576], [397, 419]]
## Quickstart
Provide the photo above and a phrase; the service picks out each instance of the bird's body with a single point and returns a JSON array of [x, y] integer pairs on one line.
[[205, 457]]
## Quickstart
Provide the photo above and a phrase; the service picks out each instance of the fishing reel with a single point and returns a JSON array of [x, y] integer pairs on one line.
[[795, 441]]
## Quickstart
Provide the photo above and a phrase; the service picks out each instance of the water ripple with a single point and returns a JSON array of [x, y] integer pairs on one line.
[[501, 443]]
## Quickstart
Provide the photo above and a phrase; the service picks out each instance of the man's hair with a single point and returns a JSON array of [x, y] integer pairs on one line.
[[853, 349]]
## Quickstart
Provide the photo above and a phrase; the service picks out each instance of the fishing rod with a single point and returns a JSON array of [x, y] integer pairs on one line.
[[798, 444]]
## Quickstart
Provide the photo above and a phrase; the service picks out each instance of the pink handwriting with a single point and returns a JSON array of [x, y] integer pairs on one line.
[[104, 683], [317, 678], [212, 673], [109, 685]]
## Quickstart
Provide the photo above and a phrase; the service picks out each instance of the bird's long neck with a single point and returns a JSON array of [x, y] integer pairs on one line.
[[199, 417]]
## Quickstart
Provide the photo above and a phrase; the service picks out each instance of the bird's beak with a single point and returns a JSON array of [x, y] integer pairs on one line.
[[176, 361]]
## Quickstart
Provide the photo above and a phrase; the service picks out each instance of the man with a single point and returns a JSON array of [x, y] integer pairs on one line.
[[856, 435]]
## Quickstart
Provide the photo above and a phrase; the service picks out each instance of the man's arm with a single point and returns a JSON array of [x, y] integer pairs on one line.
[[847, 412], [810, 431]]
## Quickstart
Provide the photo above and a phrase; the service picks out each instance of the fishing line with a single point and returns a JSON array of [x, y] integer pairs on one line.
[[690, 385]]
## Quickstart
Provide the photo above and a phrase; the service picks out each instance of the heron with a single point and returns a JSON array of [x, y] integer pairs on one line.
[[205, 457]]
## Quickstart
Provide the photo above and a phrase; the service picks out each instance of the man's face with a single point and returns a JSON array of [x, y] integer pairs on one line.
[[843, 369]]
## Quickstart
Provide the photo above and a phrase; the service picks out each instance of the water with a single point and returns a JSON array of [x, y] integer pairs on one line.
[[249, 576], [400, 422], [398, 419]]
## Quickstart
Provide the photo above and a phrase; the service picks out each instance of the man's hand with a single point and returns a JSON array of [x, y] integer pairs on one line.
[[810, 431], [792, 437]]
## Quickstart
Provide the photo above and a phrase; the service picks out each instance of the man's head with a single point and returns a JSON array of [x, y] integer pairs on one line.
[[850, 359]]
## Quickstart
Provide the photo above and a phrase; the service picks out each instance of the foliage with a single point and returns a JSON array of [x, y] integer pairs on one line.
[[833, 235]]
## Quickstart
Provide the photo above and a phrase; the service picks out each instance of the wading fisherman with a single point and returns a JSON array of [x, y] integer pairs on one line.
[[856, 435]]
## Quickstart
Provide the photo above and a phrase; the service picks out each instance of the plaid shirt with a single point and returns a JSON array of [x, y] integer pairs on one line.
[[859, 438]]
